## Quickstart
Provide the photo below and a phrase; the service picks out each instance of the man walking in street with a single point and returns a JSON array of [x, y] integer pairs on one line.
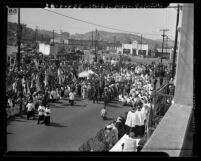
[[30, 110], [95, 95], [71, 98], [41, 111]]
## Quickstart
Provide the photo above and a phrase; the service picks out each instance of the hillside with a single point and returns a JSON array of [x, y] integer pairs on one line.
[[122, 37], [28, 34]]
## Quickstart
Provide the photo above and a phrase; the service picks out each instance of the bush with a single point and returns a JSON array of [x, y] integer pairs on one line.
[[93, 144], [97, 143]]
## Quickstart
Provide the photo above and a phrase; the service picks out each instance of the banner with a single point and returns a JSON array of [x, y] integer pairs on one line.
[[36, 63]]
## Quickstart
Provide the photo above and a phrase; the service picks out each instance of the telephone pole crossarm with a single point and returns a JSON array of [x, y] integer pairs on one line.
[[164, 30]]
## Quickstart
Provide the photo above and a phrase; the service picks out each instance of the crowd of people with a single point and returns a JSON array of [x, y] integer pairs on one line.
[[41, 80]]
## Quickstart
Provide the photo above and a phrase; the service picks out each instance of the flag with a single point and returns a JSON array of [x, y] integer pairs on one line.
[[46, 78], [28, 89], [37, 83], [36, 63], [73, 77]]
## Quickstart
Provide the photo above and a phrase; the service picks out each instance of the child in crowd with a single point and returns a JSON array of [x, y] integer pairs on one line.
[[41, 111], [103, 113]]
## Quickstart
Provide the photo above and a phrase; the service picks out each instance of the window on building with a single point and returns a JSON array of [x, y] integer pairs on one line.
[[126, 51], [134, 52]]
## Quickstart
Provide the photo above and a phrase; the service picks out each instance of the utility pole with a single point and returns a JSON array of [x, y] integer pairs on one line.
[[53, 37], [141, 45], [96, 46], [164, 30], [19, 34], [114, 42], [175, 44], [166, 43], [36, 32], [36, 38], [92, 39]]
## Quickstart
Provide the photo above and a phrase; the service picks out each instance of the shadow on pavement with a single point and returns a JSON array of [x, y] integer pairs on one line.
[[22, 117], [114, 102], [15, 119], [56, 124], [18, 120], [116, 106], [80, 105], [109, 118], [75, 105], [58, 106]]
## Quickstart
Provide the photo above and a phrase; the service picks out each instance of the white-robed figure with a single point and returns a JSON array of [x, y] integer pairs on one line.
[[30, 110], [41, 111], [47, 115], [103, 113], [130, 143]]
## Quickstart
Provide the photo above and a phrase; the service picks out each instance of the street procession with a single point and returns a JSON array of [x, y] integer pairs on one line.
[[97, 91], [42, 82]]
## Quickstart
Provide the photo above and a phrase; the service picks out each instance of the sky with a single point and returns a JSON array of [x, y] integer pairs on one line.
[[144, 21]]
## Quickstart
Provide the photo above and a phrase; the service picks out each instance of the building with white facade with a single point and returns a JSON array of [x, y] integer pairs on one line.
[[44, 48], [134, 49]]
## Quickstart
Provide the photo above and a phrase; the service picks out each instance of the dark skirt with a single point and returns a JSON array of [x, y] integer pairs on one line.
[[139, 130], [47, 120], [30, 114], [41, 117]]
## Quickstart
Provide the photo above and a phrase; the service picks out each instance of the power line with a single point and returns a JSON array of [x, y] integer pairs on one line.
[[98, 24]]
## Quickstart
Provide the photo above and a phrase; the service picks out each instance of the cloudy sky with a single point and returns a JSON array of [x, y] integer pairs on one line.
[[142, 21]]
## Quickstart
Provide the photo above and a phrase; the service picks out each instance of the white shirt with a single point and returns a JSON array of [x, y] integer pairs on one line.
[[10, 102], [54, 94], [41, 110], [130, 120], [130, 144], [139, 118], [30, 106], [103, 112], [71, 96], [47, 112], [145, 112]]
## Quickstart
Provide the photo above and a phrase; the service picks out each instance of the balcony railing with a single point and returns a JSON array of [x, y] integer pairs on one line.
[[161, 101], [173, 134]]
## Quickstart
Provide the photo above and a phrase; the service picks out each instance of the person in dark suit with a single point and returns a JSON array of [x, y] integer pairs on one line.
[[79, 90], [120, 125], [155, 82], [105, 97], [95, 95]]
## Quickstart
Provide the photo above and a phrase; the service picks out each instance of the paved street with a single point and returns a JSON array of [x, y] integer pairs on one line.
[[70, 127]]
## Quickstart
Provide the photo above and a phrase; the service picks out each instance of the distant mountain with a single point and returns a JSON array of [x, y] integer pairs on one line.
[[121, 37], [30, 35]]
